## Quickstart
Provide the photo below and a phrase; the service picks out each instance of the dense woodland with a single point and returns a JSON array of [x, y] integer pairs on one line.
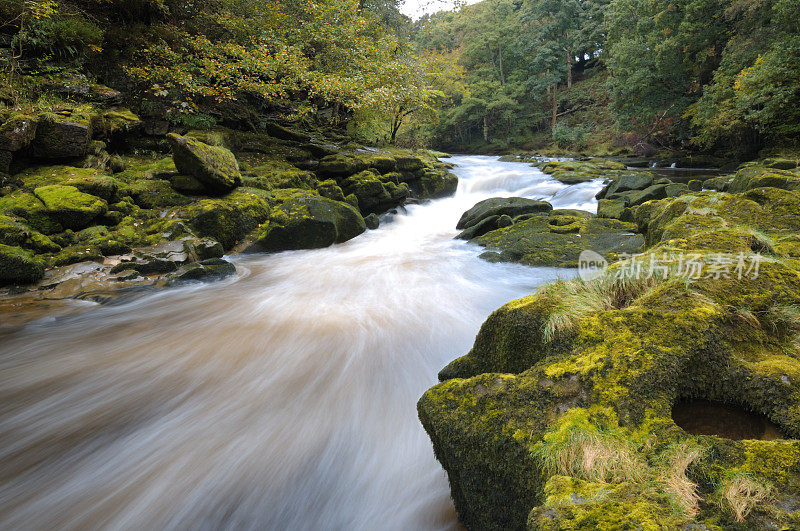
[[599, 75]]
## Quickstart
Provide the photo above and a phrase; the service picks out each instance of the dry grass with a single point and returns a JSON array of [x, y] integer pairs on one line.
[[676, 482], [741, 493]]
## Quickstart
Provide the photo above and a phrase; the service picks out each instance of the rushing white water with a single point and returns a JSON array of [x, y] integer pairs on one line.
[[281, 399]]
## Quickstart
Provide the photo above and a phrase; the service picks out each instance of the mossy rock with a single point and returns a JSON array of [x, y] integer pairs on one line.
[[215, 167], [757, 177], [18, 266], [308, 223], [614, 209], [435, 184], [373, 194], [558, 239], [497, 206], [573, 177], [27, 206], [230, 218], [69, 207], [339, 166], [206, 270], [720, 184], [331, 190], [154, 193], [15, 233], [560, 415]]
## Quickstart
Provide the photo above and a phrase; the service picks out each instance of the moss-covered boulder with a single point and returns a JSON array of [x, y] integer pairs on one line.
[[69, 207], [562, 414], [230, 218], [758, 177], [340, 165], [307, 222], [374, 195], [559, 238], [214, 166], [614, 209], [18, 266], [210, 269], [497, 206], [13, 232]]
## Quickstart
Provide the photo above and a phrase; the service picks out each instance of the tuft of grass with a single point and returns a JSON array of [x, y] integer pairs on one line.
[[682, 490], [580, 448], [575, 299], [740, 493]]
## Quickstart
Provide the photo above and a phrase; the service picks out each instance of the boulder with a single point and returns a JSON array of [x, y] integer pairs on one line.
[[371, 221], [497, 206], [18, 266], [558, 239], [17, 132], [69, 207], [614, 209], [210, 269], [752, 177], [5, 161], [307, 222], [695, 185], [339, 166], [373, 194], [230, 218], [677, 189], [61, 139], [215, 167]]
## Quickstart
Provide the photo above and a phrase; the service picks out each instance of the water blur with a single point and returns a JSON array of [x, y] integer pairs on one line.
[[283, 398]]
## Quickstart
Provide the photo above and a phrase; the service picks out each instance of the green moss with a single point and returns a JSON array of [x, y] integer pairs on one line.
[[68, 206], [230, 218], [308, 222], [19, 266]]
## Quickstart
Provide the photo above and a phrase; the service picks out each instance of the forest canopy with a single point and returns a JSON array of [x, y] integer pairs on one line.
[[716, 75]]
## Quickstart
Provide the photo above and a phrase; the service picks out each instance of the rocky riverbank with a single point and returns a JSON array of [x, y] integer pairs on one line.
[[561, 415], [95, 202]]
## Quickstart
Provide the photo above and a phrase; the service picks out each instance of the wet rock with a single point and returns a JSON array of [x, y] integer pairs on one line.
[[675, 190], [211, 269], [61, 139], [230, 218], [215, 167], [371, 221], [18, 266], [307, 222], [374, 195], [720, 184], [695, 185], [497, 206]]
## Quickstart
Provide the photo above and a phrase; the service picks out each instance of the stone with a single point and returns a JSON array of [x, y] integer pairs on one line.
[[371, 221], [69, 207], [339, 166], [307, 222], [215, 167], [18, 266], [211, 269], [497, 206], [614, 209], [17, 132], [61, 139], [695, 185], [374, 195]]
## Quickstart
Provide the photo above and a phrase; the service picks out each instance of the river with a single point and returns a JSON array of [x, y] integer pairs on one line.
[[282, 398]]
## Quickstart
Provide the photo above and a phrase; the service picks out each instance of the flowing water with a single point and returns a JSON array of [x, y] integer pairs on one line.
[[283, 398]]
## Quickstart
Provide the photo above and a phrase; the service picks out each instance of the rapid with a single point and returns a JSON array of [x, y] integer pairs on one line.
[[281, 398]]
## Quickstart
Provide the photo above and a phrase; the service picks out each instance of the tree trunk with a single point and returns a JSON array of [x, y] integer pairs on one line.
[[485, 128], [569, 68], [500, 61], [555, 106]]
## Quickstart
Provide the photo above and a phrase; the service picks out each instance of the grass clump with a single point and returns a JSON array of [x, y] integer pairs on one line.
[[740, 494]]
